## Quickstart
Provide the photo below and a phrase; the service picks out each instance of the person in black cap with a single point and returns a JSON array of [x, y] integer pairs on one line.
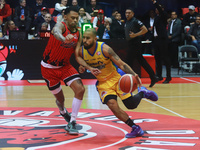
[[190, 17], [134, 29], [37, 8]]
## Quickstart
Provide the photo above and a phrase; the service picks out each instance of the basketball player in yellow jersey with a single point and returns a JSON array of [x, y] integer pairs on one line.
[[99, 55]]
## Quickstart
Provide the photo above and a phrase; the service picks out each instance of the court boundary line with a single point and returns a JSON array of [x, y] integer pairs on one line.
[[190, 80], [165, 108]]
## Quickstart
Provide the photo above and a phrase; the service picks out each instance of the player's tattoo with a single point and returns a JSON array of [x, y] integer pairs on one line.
[[112, 53], [128, 70], [57, 32], [79, 82]]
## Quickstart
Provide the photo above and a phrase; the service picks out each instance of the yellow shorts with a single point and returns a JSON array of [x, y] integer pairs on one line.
[[111, 87]]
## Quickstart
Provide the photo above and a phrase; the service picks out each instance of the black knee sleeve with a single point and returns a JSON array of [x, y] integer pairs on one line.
[[133, 101]]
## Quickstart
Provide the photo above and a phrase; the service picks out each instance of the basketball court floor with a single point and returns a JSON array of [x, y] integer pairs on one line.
[[29, 118]]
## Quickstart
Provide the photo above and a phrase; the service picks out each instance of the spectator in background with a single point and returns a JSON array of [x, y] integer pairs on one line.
[[161, 43], [174, 37], [75, 3], [48, 19], [38, 7], [22, 16], [99, 19], [40, 19], [93, 6], [60, 17], [5, 11], [117, 27], [149, 35], [134, 29], [9, 26], [190, 17], [114, 12], [1, 31], [59, 7], [84, 17], [194, 33], [103, 31]]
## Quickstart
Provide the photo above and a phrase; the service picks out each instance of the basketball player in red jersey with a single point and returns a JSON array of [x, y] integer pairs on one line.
[[55, 65]]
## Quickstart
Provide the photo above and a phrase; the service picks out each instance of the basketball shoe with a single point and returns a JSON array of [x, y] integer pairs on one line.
[[148, 94], [66, 116], [71, 128], [136, 131]]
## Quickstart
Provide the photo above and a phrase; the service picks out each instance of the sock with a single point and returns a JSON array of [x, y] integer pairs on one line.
[[130, 122], [63, 111], [76, 104]]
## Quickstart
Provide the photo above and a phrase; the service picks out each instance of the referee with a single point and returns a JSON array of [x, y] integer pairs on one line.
[[133, 31]]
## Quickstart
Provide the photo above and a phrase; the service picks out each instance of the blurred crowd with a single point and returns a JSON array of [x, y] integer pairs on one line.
[[38, 18]]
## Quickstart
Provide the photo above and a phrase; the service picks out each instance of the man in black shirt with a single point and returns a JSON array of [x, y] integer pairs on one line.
[[133, 30], [161, 42]]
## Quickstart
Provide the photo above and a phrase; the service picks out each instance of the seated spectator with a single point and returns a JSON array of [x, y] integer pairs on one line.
[[22, 16], [9, 26], [84, 17], [40, 19], [48, 19], [103, 31], [5, 11], [38, 7], [189, 18], [93, 6], [1, 32], [60, 17], [99, 19], [59, 7], [75, 3], [194, 33], [117, 27]]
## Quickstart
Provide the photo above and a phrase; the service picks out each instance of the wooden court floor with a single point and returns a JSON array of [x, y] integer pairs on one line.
[[175, 99]]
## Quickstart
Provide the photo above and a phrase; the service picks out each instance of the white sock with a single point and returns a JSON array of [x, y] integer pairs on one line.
[[63, 111], [76, 104]]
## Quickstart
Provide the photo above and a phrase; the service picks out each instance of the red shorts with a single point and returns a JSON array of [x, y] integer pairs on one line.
[[53, 76]]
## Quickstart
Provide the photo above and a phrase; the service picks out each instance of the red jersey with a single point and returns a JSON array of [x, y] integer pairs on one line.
[[58, 53]]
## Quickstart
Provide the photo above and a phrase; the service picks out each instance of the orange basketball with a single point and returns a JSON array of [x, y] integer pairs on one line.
[[128, 83]]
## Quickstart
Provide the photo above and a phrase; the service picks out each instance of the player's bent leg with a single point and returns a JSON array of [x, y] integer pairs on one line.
[[123, 116], [78, 88], [60, 103], [133, 101], [117, 111]]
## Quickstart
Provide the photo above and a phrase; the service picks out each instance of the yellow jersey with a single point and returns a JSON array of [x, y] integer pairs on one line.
[[100, 61]]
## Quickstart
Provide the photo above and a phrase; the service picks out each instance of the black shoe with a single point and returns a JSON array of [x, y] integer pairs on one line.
[[167, 80], [66, 116], [153, 81], [160, 78]]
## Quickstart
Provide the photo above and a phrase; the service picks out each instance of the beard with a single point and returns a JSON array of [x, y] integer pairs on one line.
[[88, 46]]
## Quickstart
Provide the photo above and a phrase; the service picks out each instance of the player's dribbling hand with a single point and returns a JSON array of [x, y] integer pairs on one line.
[[81, 69], [138, 80], [69, 38]]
